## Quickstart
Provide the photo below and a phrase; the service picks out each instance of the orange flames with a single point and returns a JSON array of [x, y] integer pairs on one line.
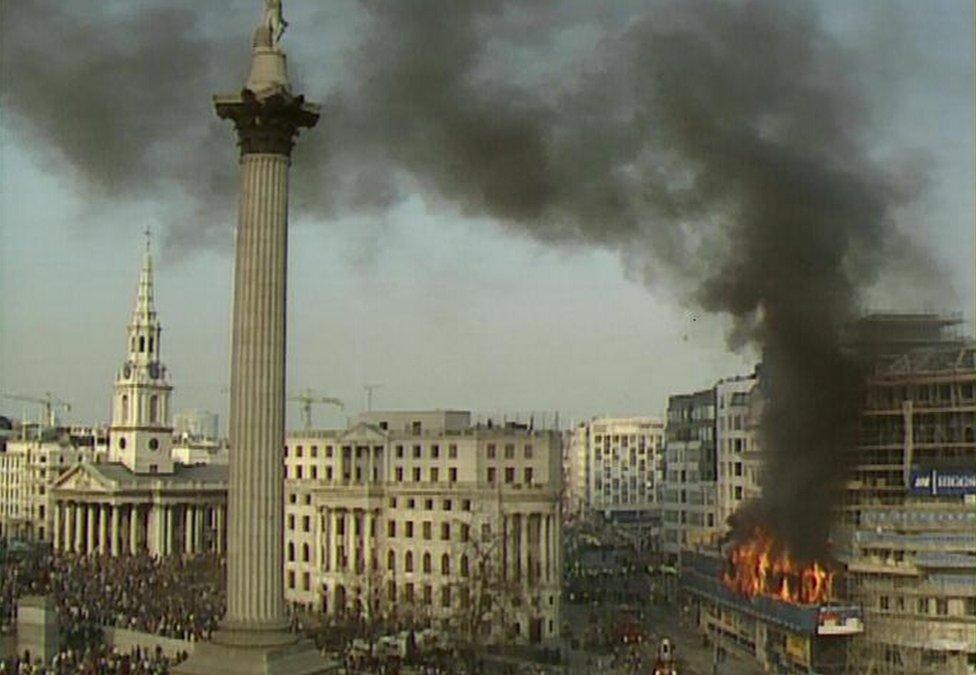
[[762, 566]]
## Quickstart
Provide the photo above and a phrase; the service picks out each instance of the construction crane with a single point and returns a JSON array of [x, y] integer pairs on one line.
[[50, 402], [369, 389], [305, 401]]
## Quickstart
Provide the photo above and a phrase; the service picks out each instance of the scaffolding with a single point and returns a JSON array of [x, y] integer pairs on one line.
[[911, 553]]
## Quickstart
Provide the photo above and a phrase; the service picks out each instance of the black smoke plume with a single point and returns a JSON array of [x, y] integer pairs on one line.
[[719, 147]]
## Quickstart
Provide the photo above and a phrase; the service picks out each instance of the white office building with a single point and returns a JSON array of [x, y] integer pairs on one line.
[[426, 519]]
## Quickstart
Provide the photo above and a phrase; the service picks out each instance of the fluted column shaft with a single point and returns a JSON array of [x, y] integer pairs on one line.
[[255, 597]]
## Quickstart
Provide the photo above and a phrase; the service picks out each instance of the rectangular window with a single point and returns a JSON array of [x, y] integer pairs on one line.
[[399, 452], [315, 451], [465, 532], [434, 474], [427, 530], [306, 581], [416, 474], [491, 474], [509, 474], [399, 474], [452, 451], [445, 532], [298, 471], [528, 475], [435, 451], [416, 452], [447, 505], [409, 532], [452, 474], [328, 451], [306, 523], [391, 528], [328, 473], [291, 579], [491, 451], [298, 451], [291, 521], [528, 452], [510, 451]]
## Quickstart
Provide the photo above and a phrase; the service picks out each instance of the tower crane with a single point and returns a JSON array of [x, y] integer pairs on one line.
[[50, 402], [305, 401]]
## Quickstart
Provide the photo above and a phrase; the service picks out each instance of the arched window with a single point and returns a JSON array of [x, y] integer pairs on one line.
[[125, 408], [445, 564], [408, 562], [122, 443], [464, 565], [153, 408], [150, 344], [426, 562], [305, 553], [142, 344], [291, 551], [391, 561]]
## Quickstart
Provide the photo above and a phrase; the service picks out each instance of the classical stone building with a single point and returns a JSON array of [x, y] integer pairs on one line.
[[421, 518], [140, 500], [29, 463]]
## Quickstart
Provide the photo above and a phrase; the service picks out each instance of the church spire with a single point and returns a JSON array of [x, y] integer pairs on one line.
[[145, 311], [140, 428]]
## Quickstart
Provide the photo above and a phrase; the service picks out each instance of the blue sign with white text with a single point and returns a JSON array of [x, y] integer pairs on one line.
[[936, 482]]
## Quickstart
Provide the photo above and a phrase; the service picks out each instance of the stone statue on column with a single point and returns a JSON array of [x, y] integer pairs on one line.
[[272, 26]]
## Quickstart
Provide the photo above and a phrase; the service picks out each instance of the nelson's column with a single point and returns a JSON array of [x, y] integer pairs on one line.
[[254, 636]]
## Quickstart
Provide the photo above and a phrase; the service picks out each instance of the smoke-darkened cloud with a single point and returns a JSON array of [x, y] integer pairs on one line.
[[719, 148]]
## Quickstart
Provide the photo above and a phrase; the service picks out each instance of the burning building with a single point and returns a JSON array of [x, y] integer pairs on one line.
[[761, 604]]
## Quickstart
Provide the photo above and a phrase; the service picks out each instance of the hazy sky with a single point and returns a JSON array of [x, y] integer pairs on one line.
[[442, 309]]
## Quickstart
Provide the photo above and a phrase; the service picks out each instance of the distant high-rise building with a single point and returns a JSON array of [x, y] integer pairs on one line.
[[690, 503], [737, 445], [196, 425], [620, 465]]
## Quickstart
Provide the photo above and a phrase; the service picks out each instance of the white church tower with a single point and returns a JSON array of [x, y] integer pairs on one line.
[[141, 434]]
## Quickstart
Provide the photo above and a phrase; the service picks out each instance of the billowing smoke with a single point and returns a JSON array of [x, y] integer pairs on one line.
[[718, 147]]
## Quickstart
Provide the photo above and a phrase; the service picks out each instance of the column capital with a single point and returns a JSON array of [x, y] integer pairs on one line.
[[266, 125]]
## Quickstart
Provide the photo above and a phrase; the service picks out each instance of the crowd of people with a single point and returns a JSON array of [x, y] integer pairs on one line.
[[173, 597], [94, 660]]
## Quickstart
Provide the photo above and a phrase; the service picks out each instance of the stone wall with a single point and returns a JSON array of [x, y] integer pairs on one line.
[[125, 640]]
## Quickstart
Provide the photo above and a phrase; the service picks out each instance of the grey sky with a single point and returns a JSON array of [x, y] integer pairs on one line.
[[444, 310]]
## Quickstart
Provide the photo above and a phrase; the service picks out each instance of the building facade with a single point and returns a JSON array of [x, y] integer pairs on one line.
[[622, 459], [739, 467], [908, 527], [689, 499], [139, 499], [426, 519], [28, 466]]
